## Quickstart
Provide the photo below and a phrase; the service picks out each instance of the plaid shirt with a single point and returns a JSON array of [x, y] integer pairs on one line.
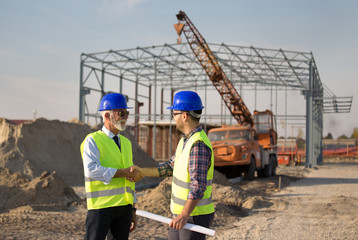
[[199, 163]]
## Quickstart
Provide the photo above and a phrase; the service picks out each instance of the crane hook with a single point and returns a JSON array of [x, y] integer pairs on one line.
[[179, 28]]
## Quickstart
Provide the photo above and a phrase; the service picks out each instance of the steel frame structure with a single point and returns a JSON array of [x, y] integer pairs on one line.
[[173, 67]]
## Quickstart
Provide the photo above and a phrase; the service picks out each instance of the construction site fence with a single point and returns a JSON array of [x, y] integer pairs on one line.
[[330, 148]]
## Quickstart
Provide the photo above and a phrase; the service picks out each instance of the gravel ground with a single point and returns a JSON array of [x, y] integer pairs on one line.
[[322, 205], [317, 203]]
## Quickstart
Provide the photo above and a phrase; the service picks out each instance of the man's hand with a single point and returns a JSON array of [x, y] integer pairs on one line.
[[135, 174], [178, 222], [134, 222], [131, 174]]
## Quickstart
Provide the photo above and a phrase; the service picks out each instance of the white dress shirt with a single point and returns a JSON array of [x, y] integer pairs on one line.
[[92, 165]]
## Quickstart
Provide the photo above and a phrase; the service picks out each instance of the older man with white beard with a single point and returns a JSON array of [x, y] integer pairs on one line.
[[109, 176]]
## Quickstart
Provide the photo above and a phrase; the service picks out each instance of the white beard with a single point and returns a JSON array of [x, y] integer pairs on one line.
[[120, 125]]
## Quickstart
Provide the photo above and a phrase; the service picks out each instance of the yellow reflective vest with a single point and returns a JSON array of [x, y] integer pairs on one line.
[[181, 178], [119, 191]]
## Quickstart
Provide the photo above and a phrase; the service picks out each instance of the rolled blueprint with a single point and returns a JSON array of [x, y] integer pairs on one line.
[[189, 226]]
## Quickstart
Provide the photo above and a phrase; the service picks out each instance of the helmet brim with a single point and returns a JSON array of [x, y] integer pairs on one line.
[[172, 108], [100, 110]]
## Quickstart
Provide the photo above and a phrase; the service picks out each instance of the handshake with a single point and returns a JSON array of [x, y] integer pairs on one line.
[[135, 173]]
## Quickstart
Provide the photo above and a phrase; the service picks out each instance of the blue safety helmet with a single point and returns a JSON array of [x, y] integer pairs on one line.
[[113, 101], [186, 101]]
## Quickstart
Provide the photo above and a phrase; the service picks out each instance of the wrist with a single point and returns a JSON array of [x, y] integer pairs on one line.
[[117, 174], [185, 215], [120, 173], [150, 172]]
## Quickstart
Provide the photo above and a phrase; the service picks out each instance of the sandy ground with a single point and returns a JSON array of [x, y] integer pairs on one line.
[[321, 204]]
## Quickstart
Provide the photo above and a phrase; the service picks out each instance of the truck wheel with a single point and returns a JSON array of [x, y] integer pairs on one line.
[[260, 173], [249, 173], [268, 169]]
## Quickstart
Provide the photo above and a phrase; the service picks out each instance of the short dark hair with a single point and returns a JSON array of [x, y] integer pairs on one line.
[[195, 112]]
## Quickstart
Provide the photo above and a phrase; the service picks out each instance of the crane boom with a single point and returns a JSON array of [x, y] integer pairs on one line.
[[212, 68]]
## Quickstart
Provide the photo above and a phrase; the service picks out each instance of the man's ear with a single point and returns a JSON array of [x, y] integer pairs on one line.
[[107, 115], [186, 116]]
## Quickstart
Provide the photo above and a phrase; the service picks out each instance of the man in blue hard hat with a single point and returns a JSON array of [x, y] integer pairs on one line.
[[192, 168], [109, 176]]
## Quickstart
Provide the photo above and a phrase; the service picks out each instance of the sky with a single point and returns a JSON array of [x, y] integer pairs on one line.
[[41, 42]]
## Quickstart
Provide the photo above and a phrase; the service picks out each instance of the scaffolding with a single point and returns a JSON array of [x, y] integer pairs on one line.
[[149, 76]]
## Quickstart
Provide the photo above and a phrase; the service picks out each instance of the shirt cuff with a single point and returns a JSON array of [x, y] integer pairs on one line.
[[109, 175]]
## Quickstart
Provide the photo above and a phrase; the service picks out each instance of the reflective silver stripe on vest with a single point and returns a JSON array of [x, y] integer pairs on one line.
[[110, 192], [202, 202], [186, 185]]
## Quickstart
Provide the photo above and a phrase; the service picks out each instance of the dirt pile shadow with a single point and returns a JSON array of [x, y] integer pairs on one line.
[[46, 192]]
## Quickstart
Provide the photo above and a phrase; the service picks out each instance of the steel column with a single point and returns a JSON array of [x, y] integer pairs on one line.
[[81, 116], [155, 112], [309, 121]]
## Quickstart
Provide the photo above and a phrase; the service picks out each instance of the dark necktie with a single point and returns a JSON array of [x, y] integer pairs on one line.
[[115, 138]]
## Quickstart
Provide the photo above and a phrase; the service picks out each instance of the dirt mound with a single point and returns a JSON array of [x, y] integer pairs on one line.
[[51, 145], [12, 179], [46, 192], [156, 200], [42, 145], [220, 178], [77, 121]]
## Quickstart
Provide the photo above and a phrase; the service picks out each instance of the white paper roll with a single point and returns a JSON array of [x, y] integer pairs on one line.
[[189, 226]]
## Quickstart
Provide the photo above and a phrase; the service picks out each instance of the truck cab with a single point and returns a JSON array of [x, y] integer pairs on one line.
[[235, 146], [245, 149]]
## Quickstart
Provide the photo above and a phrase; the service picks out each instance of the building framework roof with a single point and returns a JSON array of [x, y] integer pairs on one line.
[[173, 66]]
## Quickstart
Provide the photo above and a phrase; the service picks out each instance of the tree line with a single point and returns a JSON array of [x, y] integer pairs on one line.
[[353, 136]]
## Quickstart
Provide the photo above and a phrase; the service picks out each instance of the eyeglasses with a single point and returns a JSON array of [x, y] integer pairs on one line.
[[177, 113], [122, 113]]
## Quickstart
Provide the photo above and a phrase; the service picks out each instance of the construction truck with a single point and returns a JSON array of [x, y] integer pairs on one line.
[[249, 146], [290, 151]]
